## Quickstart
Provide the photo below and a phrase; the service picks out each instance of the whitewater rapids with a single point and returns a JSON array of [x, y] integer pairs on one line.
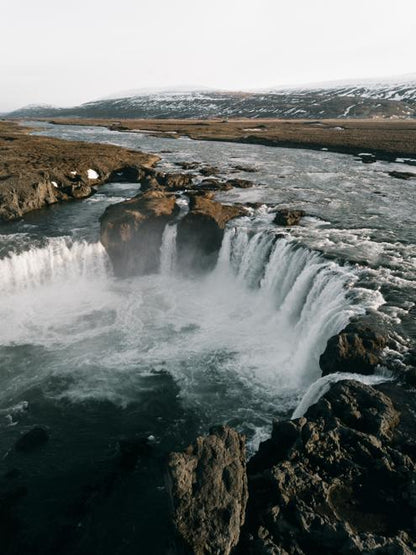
[[242, 343]]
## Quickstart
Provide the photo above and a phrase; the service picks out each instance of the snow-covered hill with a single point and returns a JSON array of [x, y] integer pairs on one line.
[[394, 97]]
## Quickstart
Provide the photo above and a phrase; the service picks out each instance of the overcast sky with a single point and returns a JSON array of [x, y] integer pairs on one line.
[[68, 53]]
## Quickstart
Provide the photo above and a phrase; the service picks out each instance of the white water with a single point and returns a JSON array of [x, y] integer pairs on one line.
[[61, 259], [168, 250], [301, 298], [242, 343]]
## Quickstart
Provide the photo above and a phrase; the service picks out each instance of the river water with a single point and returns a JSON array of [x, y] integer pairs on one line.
[[97, 359]]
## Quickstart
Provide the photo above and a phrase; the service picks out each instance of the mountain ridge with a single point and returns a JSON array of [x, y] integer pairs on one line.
[[393, 97]]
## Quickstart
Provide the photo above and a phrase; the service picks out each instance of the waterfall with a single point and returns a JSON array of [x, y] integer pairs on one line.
[[308, 294], [60, 260], [168, 250]]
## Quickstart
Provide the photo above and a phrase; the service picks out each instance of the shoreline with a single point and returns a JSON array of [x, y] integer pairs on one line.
[[39, 171], [385, 139]]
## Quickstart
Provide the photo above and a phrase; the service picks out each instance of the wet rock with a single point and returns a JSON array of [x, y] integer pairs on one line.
[[169, 182], [209, 170], [208, 487], [355, 349], [214, 185], [403, 175], [248, 169], [287, 217], [367, 158], [201, 231], [32, 439], [188, 165], [335, 481], [177, 181], [129, 174], [240, 183], [131, 231]]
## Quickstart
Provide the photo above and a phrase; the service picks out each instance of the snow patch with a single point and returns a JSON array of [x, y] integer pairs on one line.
[[92, 174]]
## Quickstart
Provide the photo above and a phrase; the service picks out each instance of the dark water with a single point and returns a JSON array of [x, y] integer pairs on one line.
[[96, 359]]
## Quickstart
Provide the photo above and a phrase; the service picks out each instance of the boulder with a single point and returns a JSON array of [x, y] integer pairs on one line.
[[240, 183], [201, 231], [403, 175], [177, 181], [156, 180], [339, 480], [213, 185], [286, 217], [131, 231], [367, 158], [248, 169], [209, 170], [356, 349], [208, 486], [188, 165]]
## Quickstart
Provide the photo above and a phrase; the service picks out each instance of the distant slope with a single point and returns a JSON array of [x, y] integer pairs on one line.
[[385, 98]]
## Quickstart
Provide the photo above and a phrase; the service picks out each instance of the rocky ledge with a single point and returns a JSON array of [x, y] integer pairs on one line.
[[341, 479], [132, 231], [39, 171]]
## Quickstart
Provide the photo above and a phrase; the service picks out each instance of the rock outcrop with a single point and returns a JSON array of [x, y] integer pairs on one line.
[[403, 175], [357, 349], [131, 231], [39, 171], [287, 217], [201, 231], [339, 480], [208, 485], [240, 183]]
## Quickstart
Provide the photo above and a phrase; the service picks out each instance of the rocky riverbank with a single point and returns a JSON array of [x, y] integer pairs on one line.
[[39, 171], [340, 479], [386, 139]]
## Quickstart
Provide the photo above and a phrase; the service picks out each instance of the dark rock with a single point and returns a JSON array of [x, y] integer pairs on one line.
[[335, 481], [240, 183], [248, 169], [32, 439], [177, 181], [355, 349], [169, 182], [131, 231], [209, 170], [188, 165], [214, 185], [288, 217], [201, 231], [367, 158], [129, 174], [209, 492], [403, 175]]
